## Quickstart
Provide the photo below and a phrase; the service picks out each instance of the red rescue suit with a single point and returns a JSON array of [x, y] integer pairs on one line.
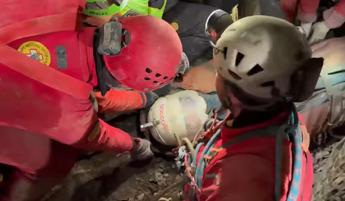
[[72, 53], [245, 171], [38, 121]]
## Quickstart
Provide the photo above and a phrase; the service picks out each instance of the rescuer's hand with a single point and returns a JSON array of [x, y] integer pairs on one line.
[[141, 149]]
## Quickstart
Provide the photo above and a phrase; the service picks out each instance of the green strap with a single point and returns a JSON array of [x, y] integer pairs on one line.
[[158, 12], [111, 10], [142, 7], [137, 6]]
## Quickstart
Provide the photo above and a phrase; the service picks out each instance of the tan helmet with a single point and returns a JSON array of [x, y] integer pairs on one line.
[[259, 54], [182, 114]]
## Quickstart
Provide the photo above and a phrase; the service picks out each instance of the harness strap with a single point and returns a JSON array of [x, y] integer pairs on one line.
[[296, 135], [39, 26], [48, 76], [36, 70], [198, 147], [199, 172]]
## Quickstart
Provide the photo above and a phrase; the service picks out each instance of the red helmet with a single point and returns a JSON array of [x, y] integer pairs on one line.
[[151, 56]]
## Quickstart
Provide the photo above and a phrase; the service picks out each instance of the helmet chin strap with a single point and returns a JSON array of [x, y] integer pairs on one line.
[[105, 80]]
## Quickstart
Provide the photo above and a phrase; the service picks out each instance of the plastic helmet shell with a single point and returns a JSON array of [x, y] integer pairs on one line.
[[259, 53], [182, 114], [151, 56]]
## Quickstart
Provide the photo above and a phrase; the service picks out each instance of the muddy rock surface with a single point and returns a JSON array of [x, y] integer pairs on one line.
[[329, 172], [106, 177]]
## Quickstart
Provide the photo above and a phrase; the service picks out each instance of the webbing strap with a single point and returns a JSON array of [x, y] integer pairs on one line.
[[294, 189], [48, 76], [38, 26], [197, 149], [199, 172], [109, 11], [296, 134], [33, 69]]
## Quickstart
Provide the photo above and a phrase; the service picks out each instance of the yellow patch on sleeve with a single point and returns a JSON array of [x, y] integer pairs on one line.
[[37, 51]]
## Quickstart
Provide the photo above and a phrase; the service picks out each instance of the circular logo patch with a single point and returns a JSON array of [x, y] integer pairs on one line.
[[36, 50]]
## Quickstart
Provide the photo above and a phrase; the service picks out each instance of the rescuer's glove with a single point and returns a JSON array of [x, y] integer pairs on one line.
[[141, 149]]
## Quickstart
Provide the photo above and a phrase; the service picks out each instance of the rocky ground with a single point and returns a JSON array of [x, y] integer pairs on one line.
[[329, 172], [106, 177]]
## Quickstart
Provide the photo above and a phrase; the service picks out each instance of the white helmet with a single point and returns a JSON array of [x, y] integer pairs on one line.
[[182, 114], [259, 54]]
